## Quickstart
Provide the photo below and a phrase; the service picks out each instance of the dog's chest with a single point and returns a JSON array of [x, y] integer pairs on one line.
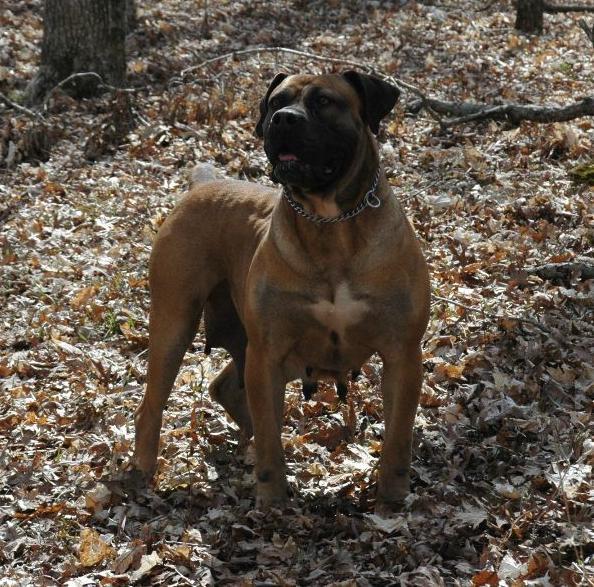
[[323, 327], [341, 310]]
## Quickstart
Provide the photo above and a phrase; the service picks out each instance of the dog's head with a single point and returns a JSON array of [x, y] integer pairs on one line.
[[315, 125]]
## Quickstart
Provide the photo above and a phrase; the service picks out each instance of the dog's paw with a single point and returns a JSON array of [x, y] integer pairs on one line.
[[142, 469], [271, 493], [129, 482], [134, 475]]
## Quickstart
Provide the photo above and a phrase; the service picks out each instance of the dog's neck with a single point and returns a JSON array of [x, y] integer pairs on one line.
[[330, 249]]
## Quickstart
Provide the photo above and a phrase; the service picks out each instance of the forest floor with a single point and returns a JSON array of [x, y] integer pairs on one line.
[[503, 455]]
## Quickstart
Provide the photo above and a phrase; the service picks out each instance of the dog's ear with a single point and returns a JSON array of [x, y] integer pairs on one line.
[[377, 97], [278, 78]]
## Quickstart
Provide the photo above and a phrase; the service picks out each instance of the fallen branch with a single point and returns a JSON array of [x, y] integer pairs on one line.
[[337, 60], [461, 111], [514, 113], [554, 8], [257, 50], [564, 270]]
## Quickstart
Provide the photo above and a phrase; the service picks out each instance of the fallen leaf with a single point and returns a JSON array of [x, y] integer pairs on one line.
[[147, 563], [92, 548]]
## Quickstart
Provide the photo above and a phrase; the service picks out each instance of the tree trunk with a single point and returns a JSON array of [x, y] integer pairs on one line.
[[529, 16], [131, 16], [81, 36]]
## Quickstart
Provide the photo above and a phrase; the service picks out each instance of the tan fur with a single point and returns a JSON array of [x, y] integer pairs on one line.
[[305, 296]]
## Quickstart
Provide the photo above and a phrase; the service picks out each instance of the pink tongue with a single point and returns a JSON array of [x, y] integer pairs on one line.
[[287, 157]]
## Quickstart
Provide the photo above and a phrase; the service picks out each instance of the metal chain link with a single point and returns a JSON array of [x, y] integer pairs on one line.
[[369, 199]]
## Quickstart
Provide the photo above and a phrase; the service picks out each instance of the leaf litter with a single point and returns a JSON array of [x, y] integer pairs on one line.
[[502, 470]]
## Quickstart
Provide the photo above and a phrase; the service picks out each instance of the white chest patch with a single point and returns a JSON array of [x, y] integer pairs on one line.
[[341, 313]]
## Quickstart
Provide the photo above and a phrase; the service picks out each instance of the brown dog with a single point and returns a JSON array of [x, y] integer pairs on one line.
[[304, 285]]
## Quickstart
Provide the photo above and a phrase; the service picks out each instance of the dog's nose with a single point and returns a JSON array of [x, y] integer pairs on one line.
[[287, 117]]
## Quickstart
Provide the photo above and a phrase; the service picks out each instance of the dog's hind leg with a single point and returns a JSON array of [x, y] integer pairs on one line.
[[172, 329], [176, 306], [225, 388], [224, 329]]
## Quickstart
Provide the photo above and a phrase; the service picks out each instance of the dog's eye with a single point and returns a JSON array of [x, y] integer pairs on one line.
[[323, 100], [274, 102]]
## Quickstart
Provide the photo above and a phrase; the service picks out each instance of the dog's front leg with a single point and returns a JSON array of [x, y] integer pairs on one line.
[[265, 388], [401, 387]]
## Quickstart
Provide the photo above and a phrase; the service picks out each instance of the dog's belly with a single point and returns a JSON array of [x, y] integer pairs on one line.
[[318, 351]]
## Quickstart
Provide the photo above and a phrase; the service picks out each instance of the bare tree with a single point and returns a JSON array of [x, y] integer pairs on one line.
[[81, 36], [131, 15], [529, 16], [530, 13]]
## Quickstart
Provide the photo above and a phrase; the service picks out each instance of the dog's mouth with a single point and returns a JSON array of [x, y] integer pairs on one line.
[[286, 157], [289, 168]]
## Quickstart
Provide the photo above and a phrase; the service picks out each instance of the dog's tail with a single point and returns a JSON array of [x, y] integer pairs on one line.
[[204, 173]]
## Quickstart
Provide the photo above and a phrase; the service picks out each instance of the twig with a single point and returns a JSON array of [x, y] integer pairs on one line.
[[419, 191], [20, 108], [359, 65], [187, 129], [534, 323], [183, 577], [257, 50], [455, 303], [204, 27], [589, 30], [82, 74]]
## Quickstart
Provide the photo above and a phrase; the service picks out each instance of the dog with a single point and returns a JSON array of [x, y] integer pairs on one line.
[[302, 283]]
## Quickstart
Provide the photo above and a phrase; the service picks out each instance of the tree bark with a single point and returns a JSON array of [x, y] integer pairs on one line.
[[529, 16], [131, 16], [81, 36], [529, 13]]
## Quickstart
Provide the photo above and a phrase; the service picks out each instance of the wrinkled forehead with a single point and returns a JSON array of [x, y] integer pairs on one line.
[[296, 87]]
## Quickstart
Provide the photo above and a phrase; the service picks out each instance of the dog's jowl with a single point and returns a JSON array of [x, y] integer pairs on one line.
[[302, 282]]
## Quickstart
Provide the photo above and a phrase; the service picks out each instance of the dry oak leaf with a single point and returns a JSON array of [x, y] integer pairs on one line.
[[448, 371], [485, 577], [82, 296], [129, 558], [97, 497], [147, 563], [93, 549]]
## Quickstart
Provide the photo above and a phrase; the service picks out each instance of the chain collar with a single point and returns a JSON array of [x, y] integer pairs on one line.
[[369, 200]]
